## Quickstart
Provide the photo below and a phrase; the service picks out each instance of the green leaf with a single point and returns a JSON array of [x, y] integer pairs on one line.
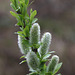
[[19, 23], [45, 67], [31, 10], [21, 20], [36, 45], [18, 17], [30, 3], [16, 3], [18, 10], [26, 31], [52, 52], [57, 68], [32, 15], [12, 6], [22, 61], [22, 57], [20, 32], [12, 1], [27, 18], [34, 20], [45, 60], [48, 73], [21, 28], [22, 5], [38, 55], [33, 73], [26, 2], [22, 1], [15, 15], [24, 9], [26, 42], [46, 56], [21, 17]]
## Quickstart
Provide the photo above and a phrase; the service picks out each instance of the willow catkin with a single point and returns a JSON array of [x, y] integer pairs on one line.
[[52, 64], [35, 34], [46, 41], [33, 61], [22, 46]]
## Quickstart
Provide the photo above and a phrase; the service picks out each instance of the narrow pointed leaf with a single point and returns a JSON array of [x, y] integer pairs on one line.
[[22, 57], [46, 56], [33, 15], [58, 66], [12, 6], [34, 20], [15, 15], [22, 62], [26, 2]]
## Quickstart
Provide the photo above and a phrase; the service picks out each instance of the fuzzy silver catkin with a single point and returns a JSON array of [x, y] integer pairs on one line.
[[46, 41], [23, 48], [33, 61], [52, 64], [35, 34]]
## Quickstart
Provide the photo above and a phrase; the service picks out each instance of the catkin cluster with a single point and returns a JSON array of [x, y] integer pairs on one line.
[[33, 60]]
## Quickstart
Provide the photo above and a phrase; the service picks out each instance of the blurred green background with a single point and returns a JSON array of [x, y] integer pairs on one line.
[[55, 16]]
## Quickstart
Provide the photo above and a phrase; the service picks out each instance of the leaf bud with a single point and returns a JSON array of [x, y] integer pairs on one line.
[[22, 45], [52, 64], [35, 34], [33, 61], [46, 41]]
